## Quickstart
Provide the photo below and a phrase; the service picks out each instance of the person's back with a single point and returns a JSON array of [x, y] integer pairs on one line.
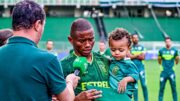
[[23, 75], [27, 73]]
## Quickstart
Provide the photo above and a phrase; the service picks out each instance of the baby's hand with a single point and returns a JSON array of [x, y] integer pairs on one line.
[[122, 86]]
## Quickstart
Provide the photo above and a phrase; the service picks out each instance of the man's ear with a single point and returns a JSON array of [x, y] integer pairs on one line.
[[70, 40], [37, 25]]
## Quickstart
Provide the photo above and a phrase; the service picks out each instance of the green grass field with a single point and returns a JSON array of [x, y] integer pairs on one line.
[[153, 75]]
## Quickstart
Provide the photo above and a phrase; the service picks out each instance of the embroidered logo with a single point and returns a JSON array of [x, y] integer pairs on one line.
[[115, 70]]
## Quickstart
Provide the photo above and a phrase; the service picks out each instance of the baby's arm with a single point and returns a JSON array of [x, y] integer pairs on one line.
[[123, 83], [132, 76]]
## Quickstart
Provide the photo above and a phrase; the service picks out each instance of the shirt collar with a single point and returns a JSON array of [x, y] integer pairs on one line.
[[19, 39], [113, 59], [87, 61]]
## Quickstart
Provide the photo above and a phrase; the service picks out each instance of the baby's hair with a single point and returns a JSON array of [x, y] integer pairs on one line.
[[119, 34]]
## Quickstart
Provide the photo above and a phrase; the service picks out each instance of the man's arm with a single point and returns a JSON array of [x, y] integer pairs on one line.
[[137, 56], [177, 60], [159, 60], [131, 55], [68, 93], [141, 56], [159, 57]]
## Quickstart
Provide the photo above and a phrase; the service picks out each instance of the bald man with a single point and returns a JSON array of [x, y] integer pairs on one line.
[[4, 35], [82, 40]]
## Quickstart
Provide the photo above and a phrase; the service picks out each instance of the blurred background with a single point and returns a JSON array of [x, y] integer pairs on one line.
[[152, 20]]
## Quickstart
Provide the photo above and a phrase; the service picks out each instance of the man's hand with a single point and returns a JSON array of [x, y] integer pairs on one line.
[[68, 93], [131, 55], [122, 86], [73, 80], [88, 95], [141, 56]]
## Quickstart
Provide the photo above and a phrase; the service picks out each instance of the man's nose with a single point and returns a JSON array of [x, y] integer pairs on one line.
[[87, 44]]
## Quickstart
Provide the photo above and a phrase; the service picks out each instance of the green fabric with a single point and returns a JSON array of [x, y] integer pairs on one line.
[[28, 73], [120, 69], [109, 94], [136, 50], [142, 78], [53, 52], [168, 56], [97, 71], [164, 76], [107, 53]]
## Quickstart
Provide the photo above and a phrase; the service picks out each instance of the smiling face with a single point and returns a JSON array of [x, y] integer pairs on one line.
[[83, 42], [119, 48]]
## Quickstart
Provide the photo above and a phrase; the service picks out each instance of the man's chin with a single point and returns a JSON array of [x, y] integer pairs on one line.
[[86, 54]]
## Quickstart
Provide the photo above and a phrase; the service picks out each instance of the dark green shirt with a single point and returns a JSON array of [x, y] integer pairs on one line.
[[168, 56], [97, 71], [28, 73], [136, 50], [120, 69]]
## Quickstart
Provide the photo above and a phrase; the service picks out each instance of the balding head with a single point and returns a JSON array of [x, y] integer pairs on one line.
[[80, 25]]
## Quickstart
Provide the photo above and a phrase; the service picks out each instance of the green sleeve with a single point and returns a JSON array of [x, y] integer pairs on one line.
[[67, 66], [159, 53], [133, 72], [54, 77], [177, 53]]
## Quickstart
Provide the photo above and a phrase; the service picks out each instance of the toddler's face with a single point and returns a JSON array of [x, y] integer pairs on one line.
[[119, 48]]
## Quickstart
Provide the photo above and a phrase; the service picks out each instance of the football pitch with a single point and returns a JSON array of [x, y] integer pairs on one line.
[[153, 75]]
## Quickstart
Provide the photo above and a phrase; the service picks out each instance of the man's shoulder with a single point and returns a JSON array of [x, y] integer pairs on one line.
[[43, 55], [162, 49], [68, 59], [174, 48], [100, 57], [140, 45]]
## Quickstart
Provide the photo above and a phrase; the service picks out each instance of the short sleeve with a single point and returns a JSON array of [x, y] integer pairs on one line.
[[133, 72], [144, 50], [159, 53], [54, 77], [176, 53]]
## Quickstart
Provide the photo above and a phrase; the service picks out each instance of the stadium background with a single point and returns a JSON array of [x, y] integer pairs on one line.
[[129, 14]]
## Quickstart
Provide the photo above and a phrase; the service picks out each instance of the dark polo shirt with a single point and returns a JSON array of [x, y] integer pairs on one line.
[[28, 73]]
